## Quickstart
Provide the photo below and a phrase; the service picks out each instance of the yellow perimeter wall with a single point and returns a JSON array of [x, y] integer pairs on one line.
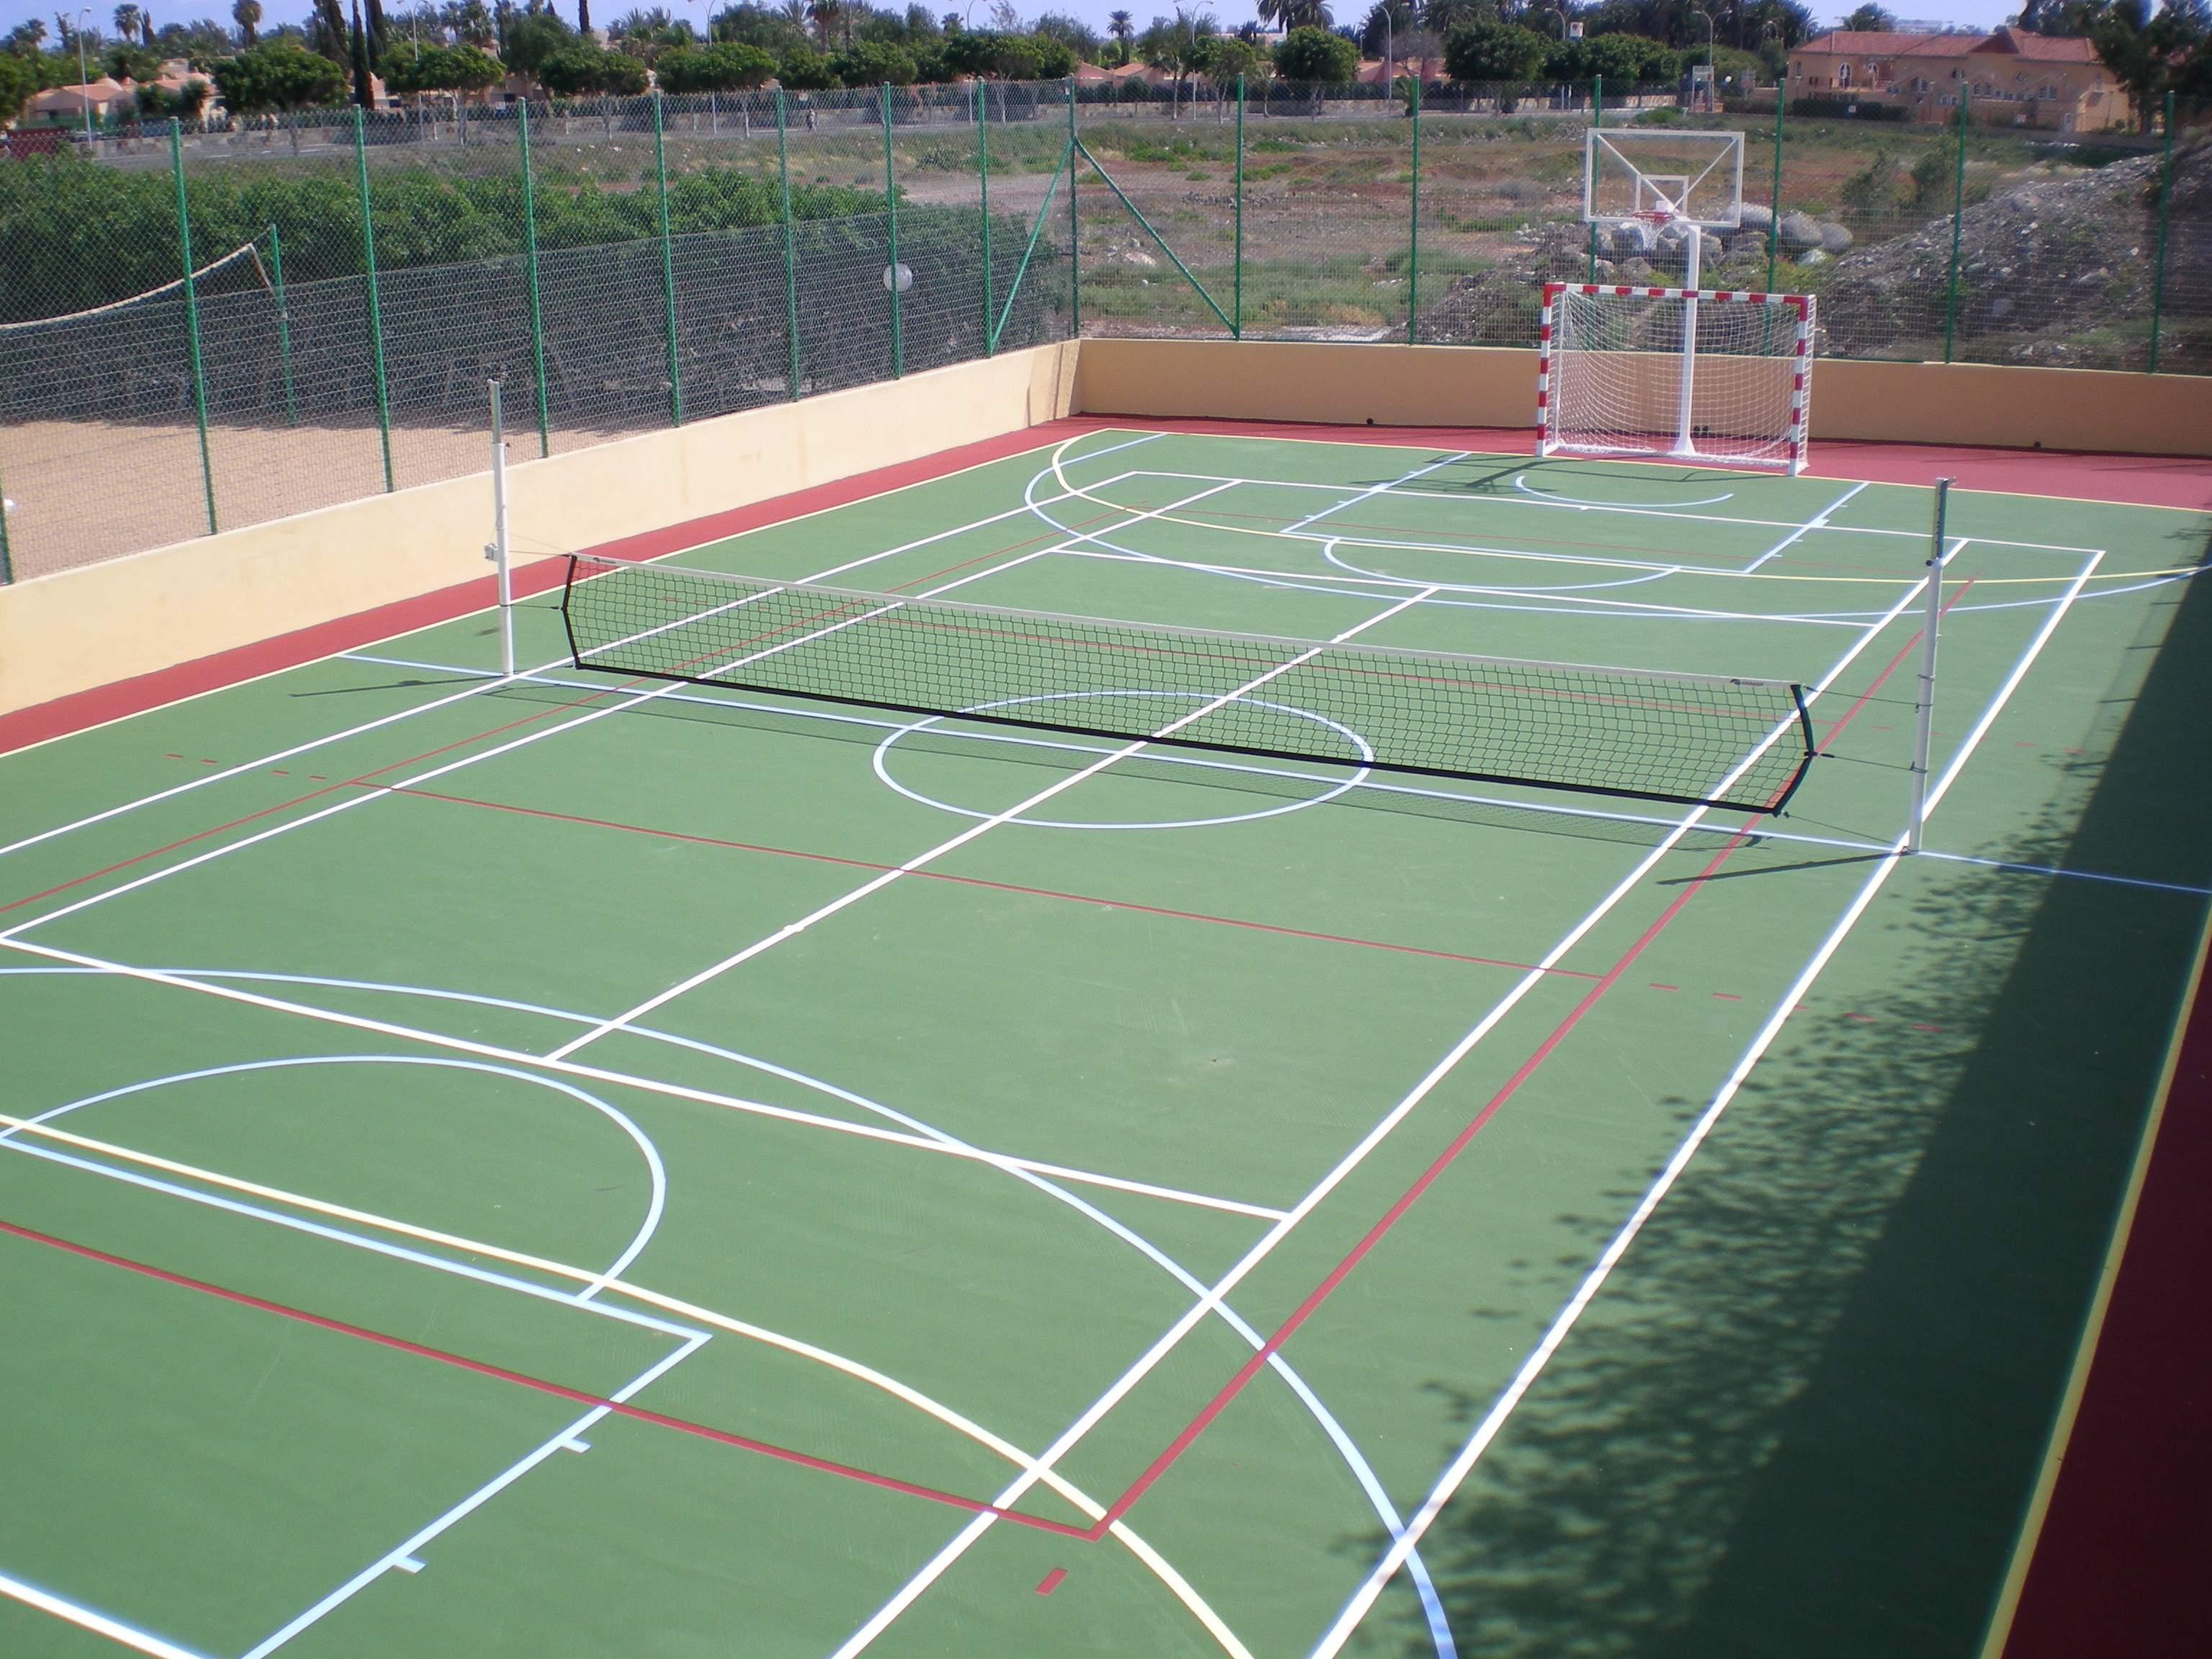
[[1971, 404], [108, 621], [79, 629]]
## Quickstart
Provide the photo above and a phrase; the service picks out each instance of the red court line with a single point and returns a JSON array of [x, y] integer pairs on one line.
[[540, 1385], [978, 881], [1895, 663], [1397, 1211]]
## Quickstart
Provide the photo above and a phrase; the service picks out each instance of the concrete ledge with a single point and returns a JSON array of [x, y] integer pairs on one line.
[[114, 621]]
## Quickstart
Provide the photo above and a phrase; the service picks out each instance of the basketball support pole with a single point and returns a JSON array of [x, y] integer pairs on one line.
[[1685, 393], [496, 550], [1924, 705]]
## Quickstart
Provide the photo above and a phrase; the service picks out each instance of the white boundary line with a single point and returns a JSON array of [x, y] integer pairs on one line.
[[89, 1619], [407, 713], [1493, 1421], [398, 1557], [950, 1552], [1819, 523], [702, 1315], [854, 896], [176, 980], [626, 698]]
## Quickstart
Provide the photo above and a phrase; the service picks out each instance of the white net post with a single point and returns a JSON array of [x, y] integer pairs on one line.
[[1924, 706], [497, 552]]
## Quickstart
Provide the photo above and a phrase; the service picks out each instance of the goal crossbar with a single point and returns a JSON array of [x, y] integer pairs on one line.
[[1691, 374]]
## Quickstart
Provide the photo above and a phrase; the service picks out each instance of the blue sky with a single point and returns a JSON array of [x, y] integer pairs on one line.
[[1979, 14]]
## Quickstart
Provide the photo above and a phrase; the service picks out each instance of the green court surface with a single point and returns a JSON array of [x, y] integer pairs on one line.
[[572, 1164]]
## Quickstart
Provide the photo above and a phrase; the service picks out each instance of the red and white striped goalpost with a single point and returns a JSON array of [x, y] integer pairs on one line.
[[1776, 437]]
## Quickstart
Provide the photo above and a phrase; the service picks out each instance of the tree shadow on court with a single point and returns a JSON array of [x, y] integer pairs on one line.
[[1807, 1412]]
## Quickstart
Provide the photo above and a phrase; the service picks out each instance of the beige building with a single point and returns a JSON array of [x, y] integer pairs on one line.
[[2015, 78]]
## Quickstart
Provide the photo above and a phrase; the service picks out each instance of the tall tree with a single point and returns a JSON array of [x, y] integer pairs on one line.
[[1871, 18], [2147, 54], [1123, 28], [247, 13], [364, 93], [126, 20]]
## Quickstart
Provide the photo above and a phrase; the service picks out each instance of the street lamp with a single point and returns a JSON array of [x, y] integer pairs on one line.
[[1707, 18], [83, 79]]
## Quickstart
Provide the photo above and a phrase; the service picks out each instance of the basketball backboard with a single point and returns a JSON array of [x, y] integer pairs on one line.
[[1695, 177]]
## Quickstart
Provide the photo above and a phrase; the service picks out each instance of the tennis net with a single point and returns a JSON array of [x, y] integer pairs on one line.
[[1655, 735]]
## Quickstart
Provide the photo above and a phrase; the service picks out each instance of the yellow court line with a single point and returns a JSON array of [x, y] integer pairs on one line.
[[856, 1369]]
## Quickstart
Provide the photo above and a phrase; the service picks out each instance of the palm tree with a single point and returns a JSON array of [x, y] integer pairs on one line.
[[1441, 15], [827, 16], [247, 13], [126, 20], [1296, 14], [1123, 28]]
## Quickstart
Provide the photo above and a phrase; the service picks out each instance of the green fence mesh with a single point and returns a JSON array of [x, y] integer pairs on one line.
[[624, 264]]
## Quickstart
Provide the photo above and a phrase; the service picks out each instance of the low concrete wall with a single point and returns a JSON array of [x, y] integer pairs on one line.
[[1965, 403], [79, 628]]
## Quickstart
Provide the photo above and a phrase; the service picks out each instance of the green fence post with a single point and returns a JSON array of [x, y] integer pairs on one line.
[[667, 264], [2165, 213], [890, 276], [983, 184], [192, 316], [283, 325], [790, 243], [1074, 226], [530, 267], [375, 302], [1237, 304], [1774, 201], [1413, 253], [7, 566], [1597, 119], [1958, 217]]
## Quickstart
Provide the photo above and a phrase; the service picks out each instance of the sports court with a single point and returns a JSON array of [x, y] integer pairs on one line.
[[584, 1161]]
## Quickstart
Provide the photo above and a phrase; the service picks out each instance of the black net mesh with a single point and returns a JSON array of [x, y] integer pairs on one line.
[[1659, 737]]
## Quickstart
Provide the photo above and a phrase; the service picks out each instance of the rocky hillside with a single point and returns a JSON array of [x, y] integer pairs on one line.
[[2050, 270]]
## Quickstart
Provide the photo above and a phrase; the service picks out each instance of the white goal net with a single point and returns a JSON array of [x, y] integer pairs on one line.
[[1682, 373]]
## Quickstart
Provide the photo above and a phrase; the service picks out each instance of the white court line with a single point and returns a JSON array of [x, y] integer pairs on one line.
[[1146, 1364], [90, 1619], [409, 714], [401, 1555], [1819, 523], [1013, 1454], [792, 930], [184, 980], [627, 697], [1370, 785], [1493, 1421]]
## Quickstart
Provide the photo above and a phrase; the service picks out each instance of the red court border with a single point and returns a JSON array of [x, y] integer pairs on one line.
[[2118, 1565], [2130, 1507]]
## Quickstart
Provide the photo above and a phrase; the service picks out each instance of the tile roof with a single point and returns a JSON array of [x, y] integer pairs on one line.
[[2006, 42]]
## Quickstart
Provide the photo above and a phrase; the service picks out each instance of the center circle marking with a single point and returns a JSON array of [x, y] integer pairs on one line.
[[881, 759]]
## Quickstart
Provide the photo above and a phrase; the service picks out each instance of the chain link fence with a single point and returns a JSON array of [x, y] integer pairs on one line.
[[204, 330], [200, 330]]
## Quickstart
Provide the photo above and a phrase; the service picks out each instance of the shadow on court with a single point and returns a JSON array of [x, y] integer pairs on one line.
[[1807, 1412]]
